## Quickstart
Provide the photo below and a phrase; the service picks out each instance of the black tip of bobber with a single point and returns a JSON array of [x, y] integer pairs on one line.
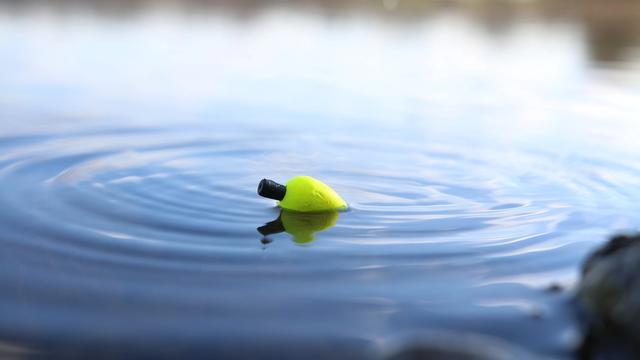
[[271, 189]]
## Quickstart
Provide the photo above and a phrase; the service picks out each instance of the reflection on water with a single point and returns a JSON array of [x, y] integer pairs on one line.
[[301, 226], [484, 148]]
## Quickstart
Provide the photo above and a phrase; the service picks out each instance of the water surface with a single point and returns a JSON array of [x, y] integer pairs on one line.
[[483, 151]]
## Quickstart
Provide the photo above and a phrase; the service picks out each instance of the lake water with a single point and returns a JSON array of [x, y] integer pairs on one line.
[[484, 150]]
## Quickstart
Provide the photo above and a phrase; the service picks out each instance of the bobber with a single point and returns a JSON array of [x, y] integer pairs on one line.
[[302, 194]]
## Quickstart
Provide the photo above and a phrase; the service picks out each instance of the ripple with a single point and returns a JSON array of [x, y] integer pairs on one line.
[[185, 188], [139, 220]]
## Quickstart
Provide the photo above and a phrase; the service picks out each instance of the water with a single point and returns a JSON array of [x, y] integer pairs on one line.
[[483, 152]]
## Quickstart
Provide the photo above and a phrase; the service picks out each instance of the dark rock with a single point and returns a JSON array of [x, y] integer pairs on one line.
[[555, 288], [609, 292], [605, 253]]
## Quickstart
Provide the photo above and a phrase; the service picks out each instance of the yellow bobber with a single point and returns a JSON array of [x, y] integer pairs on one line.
[[302, 194]]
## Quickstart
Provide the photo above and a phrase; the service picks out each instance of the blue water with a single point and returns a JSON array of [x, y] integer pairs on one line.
[[480, 166]]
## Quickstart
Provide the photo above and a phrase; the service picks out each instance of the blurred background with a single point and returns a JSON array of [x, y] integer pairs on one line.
[[343, 57], [485, 147]]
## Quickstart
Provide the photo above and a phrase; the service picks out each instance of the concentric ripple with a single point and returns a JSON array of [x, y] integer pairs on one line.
[[482, 157], [160, 226]]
